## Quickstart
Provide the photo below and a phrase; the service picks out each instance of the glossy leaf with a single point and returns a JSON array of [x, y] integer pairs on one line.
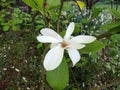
[[30, 3], [115, 13], [110, 25], [52, 4], [95, 12], [34, 4], [6, 28], [58, 78], [39, 4], [115, 30], [115, 37], [93, 47]]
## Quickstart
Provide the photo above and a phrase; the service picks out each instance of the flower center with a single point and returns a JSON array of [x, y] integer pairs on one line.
[[63, 44]]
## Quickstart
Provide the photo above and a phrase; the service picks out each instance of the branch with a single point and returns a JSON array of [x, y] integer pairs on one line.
[[34, 16], [58, 25], [78, 7], [104, 35], [43, 85]]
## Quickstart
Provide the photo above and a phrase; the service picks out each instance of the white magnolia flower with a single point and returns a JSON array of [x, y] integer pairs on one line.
[[58, 44]]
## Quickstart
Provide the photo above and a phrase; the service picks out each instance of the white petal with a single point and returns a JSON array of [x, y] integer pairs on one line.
[[70, 30], [74, 55], [47, 39], [51, 33], [83, 39], [76, 45], [53, 45], [53, 58]]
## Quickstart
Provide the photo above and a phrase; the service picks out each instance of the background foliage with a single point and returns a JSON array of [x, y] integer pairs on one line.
[[21, 55]]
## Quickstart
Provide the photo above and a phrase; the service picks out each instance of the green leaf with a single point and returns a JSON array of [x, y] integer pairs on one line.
[[115, 13], [58, 78], [83, 62], [68, 6], [62, 33], [30, 3], [16, 28], [85, 21], [77, 28], [5, 28], [52, 4], [54, 16], [115, 37], [110, 25], [113, 52], [95, 12], [113, 27], [118, 87], [39, 45], [39, 4], [115, 30], [16, 21], [93, 47]]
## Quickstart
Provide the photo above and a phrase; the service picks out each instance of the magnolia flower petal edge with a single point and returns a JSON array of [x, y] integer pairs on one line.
[[51, 33], [53, 58], [76, 45], [47, 39], [83, 39], [69, 30], [74, 55]]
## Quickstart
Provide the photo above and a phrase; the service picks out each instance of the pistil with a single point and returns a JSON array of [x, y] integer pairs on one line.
[[63, 44]]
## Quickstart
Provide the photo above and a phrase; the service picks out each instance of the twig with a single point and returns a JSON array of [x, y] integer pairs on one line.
[[34, 16], [60, 10], [43, 70], [47, 21], [104, 35], [78, 7]]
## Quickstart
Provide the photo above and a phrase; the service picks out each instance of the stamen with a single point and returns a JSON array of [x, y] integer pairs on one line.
[[63, 44]]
